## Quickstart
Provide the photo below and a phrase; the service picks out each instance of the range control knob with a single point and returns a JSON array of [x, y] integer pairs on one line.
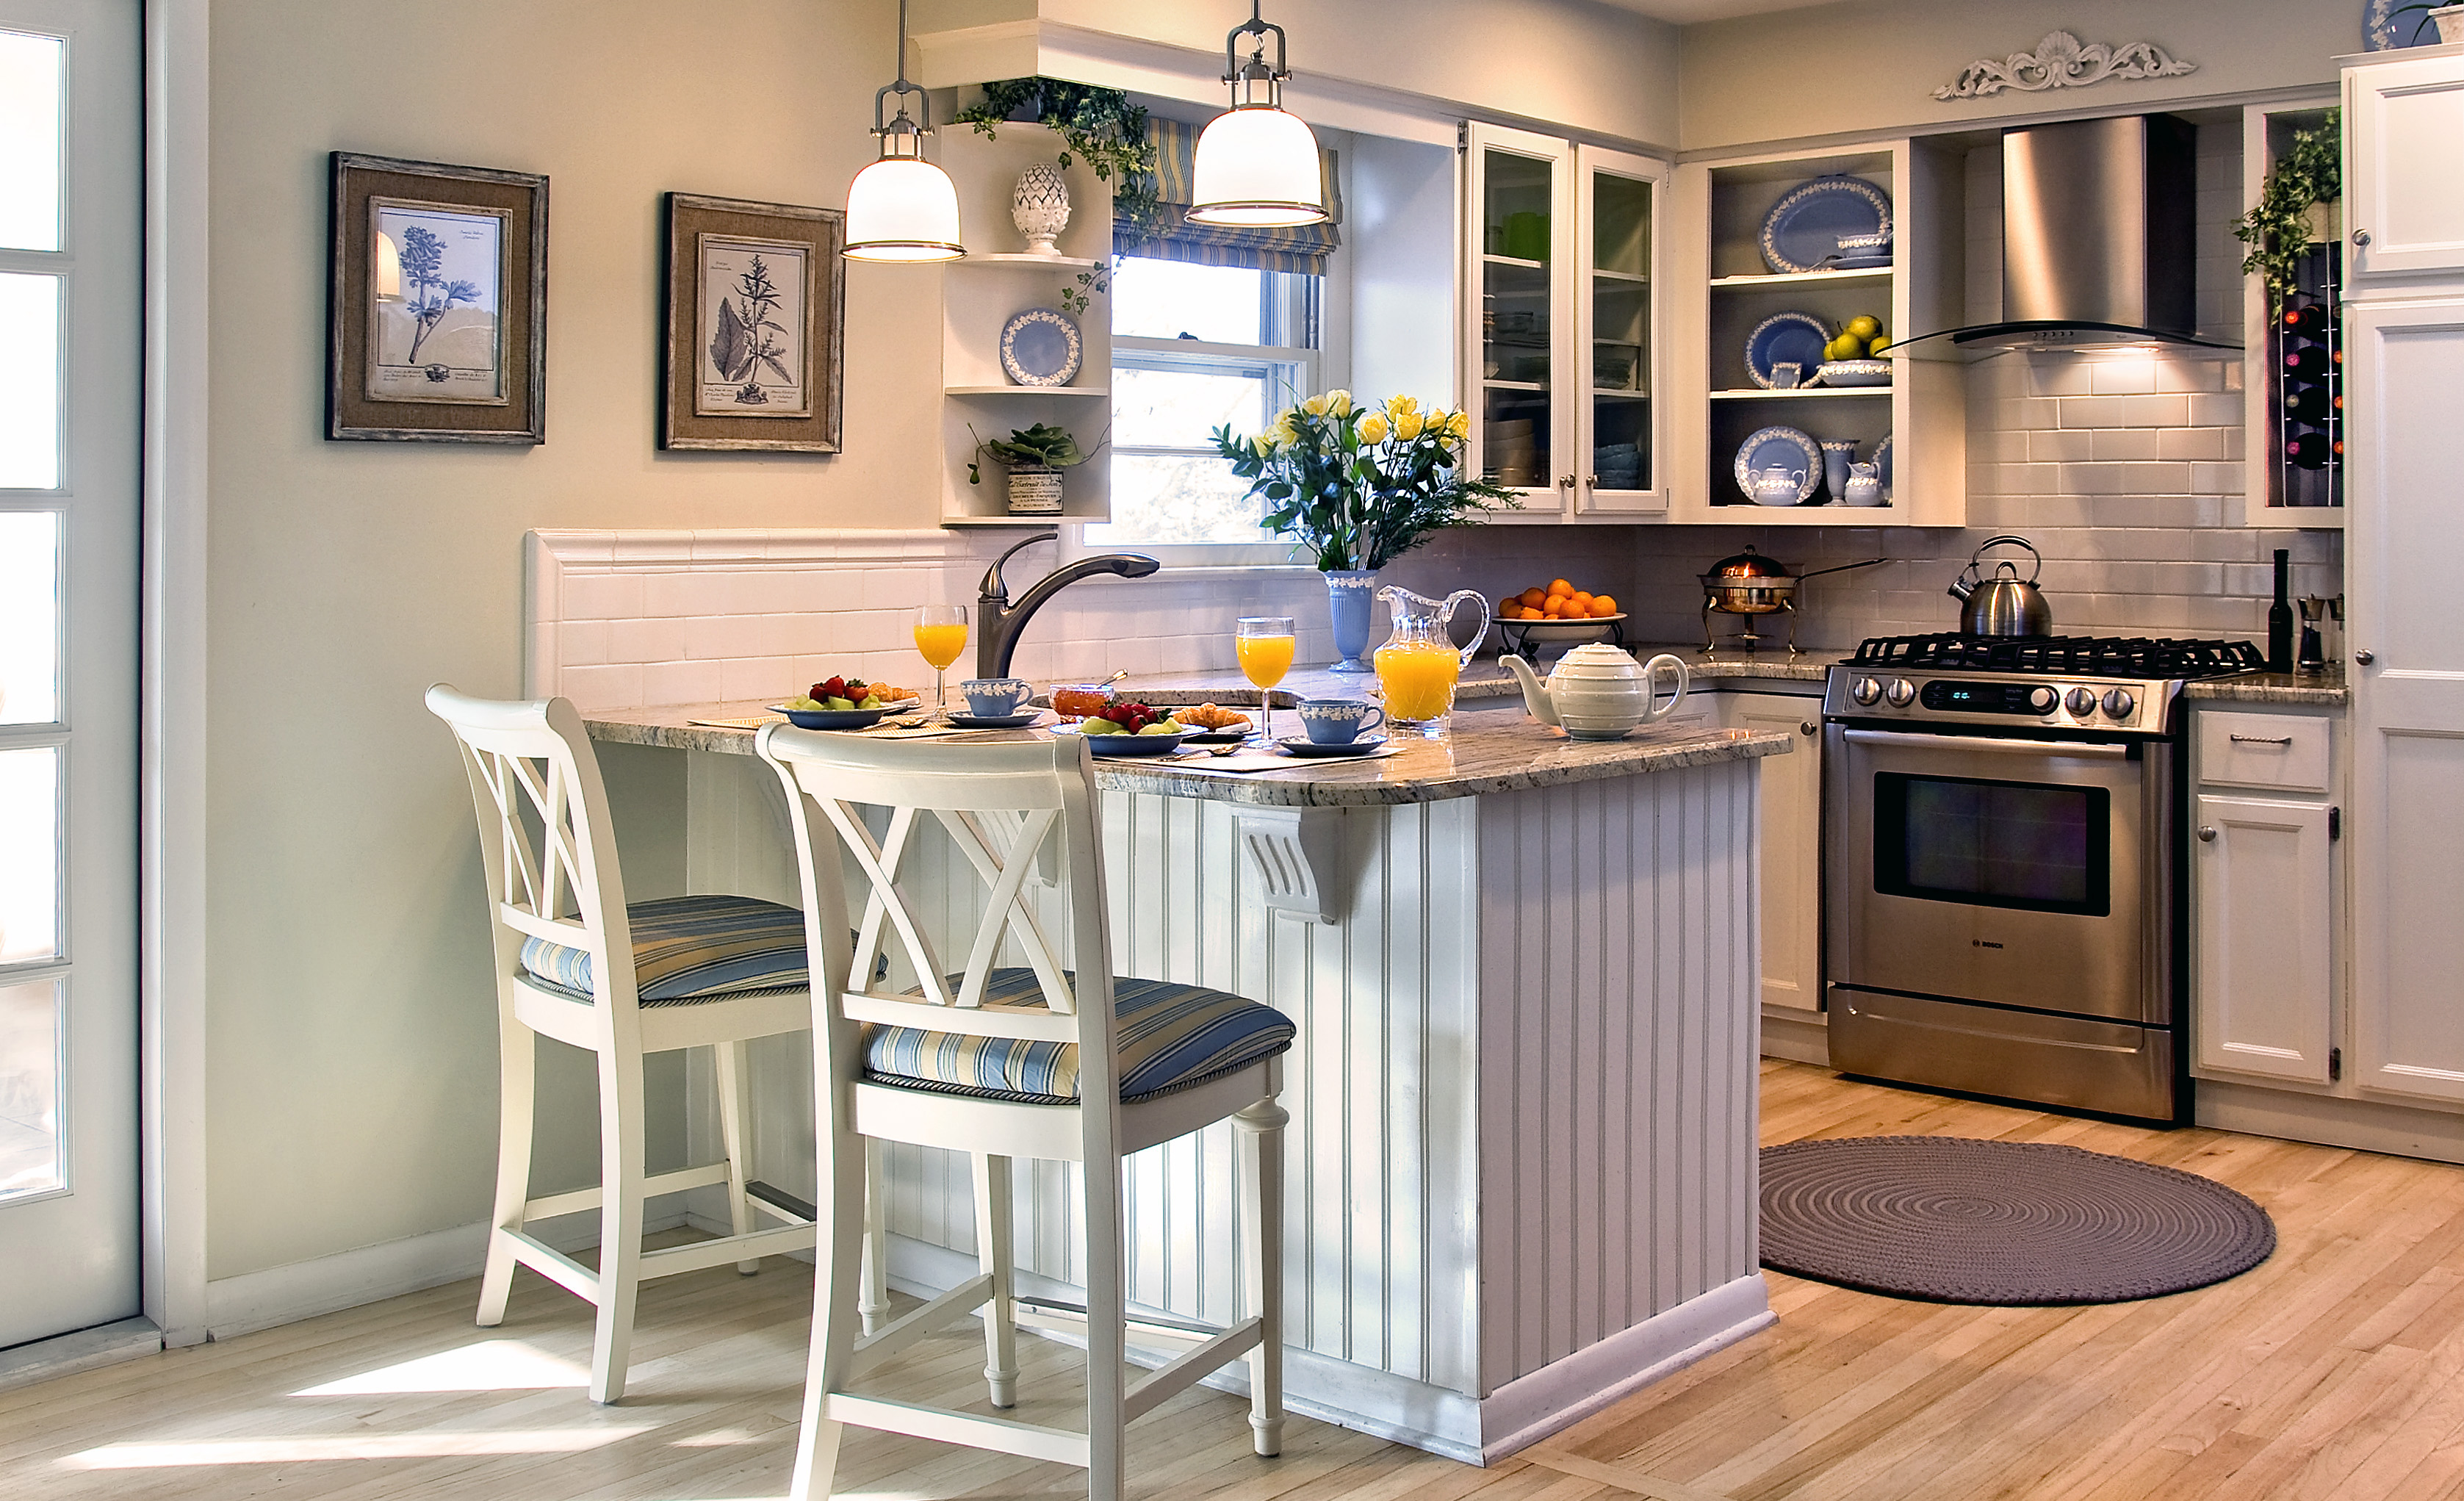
[[2082, 701], [1865, 691], [1900, 693], [2043, 699], [2119, 703]]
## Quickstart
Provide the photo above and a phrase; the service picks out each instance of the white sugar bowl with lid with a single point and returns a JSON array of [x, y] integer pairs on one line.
[[1599, 692]]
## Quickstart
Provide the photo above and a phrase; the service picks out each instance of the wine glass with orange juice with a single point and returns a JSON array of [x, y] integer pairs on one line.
[[1264, 644], [940, 636]]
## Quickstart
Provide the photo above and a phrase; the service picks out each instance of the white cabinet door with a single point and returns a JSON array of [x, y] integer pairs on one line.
[[2403, 157], [1521, 204], [2260, 905], [2404, 365], [1792, 847], [1615, 253]]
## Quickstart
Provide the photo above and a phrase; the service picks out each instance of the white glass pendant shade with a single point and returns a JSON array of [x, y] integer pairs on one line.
[[903, 207], [1257, 167]]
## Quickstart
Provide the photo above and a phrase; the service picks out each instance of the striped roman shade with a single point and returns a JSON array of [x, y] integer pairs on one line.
[[687, 948], [1170, 1036], [1303, 249]]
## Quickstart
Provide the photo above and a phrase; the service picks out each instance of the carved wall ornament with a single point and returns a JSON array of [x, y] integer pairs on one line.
[[2062, 61]]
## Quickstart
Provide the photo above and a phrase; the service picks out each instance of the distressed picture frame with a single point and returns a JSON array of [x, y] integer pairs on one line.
[[437, 308], [755, 315]]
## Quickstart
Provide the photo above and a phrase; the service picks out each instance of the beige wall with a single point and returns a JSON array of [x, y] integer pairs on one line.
[[1588, 67], [351, 1094], [1871, 65]]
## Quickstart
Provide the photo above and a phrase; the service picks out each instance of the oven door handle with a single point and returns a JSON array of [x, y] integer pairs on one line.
[[2050, 749]]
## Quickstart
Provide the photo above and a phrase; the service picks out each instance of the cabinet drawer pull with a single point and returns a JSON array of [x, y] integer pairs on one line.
[[2262, 740], [2365, 658], [2361, 238], [1806, 728], [2207, 835]]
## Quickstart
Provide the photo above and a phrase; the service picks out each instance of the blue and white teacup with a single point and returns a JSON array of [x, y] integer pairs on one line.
[[1340, 721], [993, 697]]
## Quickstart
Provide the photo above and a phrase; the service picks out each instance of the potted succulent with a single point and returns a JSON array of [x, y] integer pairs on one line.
[[1035, 458], [1357, 487]]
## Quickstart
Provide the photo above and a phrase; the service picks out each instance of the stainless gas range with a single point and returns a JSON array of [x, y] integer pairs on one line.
[[2002, 831]]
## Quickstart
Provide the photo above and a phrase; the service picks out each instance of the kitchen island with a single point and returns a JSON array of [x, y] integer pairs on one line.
[[1522, 1155]]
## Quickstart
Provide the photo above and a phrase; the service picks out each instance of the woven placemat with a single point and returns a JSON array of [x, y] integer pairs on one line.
[[1952, 1219]]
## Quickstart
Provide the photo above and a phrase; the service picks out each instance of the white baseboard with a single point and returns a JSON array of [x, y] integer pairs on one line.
[[1446, 1423], [257, 1300], [2363, 1125], [1798, 1036], [1562, 1393], [65, 1355]]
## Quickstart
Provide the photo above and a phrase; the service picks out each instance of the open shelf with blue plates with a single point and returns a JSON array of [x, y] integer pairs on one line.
[[989, 367], [1793, 250]]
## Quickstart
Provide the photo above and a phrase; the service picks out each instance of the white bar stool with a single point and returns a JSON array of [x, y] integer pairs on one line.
[[575, 962], [1039, 1061]]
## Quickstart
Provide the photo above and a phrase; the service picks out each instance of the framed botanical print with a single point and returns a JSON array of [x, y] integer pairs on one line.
[[437, 308], [756, 315]]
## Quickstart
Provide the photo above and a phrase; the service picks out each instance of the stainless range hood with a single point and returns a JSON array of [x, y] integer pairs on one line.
[[2099, 228]]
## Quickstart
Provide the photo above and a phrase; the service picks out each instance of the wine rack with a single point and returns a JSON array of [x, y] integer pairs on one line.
[[2306, 401]]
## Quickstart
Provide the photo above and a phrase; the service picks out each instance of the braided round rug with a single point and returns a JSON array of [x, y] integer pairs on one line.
[[1953, 1220]]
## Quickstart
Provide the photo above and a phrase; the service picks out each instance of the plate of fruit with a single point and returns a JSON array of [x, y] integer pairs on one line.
[[1556, 611], [1128, 729], [847, 703]]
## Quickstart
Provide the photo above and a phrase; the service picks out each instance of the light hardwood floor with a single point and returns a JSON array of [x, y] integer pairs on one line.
[[2329, 1372]]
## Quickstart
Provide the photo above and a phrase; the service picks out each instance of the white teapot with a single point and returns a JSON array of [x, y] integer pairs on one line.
[[1597, 692]]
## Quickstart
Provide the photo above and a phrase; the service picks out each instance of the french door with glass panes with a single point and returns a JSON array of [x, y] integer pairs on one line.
[[70, 328]]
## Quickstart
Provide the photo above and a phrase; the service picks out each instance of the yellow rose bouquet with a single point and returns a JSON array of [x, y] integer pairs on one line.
[[1358, 486]]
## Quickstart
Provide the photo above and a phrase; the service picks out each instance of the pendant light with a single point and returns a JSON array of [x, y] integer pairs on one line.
[[1257, 164], [902, 207]]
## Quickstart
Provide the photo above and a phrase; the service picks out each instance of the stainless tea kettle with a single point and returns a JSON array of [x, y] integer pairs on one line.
[[2005, 605]]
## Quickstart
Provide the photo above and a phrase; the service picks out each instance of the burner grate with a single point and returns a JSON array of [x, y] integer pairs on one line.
[[2111, 656]]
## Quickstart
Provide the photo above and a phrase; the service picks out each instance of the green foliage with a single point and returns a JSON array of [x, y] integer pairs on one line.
[[1346, 482], [1097, 125], [2278, 227]]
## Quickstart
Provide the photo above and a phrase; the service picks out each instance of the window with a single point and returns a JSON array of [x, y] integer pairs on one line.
[[1196, 347]]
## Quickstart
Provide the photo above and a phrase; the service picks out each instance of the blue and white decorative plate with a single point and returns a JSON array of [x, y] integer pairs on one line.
[[1786, 339], [1786, 448], [2384, 29], [1802, 231], [1040, 346]]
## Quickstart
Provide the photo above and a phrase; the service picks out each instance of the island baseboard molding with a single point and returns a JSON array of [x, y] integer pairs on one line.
[[1384, 1404]]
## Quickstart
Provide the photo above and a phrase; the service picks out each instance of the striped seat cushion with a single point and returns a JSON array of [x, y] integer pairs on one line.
[[1170, 1037], [690, 948]]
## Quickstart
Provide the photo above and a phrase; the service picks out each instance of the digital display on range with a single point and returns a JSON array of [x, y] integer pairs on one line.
[[1979, 697]]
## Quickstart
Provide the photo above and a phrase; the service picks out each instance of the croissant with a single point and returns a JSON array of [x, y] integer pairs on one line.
[[1210, 717]]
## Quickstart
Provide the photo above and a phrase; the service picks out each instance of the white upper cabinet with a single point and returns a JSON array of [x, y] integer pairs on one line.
[[2403, 168], [1561, 345]]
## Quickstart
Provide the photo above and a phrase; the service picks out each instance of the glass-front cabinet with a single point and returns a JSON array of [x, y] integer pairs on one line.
[[1561, 342]]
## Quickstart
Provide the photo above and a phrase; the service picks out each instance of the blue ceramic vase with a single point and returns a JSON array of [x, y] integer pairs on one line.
[[1350, 594]]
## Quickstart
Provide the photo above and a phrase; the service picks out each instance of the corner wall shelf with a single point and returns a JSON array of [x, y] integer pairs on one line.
[[1021, 258], [1026, 390]]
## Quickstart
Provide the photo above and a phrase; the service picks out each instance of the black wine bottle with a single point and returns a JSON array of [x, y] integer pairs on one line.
[[2307, 403], [2311, 449], [2310, 361], [2279, 616]]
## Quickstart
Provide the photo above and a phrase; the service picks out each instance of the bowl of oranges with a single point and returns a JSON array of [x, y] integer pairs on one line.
[[1556, 612]]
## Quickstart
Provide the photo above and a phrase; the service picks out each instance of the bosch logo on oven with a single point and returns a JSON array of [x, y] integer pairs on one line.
[[1982, 943]]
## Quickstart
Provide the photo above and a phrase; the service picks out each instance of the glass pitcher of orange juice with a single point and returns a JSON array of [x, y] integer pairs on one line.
[[1420, 664]]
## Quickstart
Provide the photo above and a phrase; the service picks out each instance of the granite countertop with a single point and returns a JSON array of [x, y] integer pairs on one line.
[[2326, 690], [1481, 754]]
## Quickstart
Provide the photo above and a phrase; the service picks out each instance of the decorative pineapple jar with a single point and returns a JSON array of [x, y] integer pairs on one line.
[[1040, 208]]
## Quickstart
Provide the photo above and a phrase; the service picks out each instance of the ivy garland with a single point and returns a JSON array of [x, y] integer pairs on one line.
[[2277, 228], [1099, 126]]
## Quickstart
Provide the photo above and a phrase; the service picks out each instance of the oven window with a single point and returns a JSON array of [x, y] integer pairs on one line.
[[2034, 846]]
